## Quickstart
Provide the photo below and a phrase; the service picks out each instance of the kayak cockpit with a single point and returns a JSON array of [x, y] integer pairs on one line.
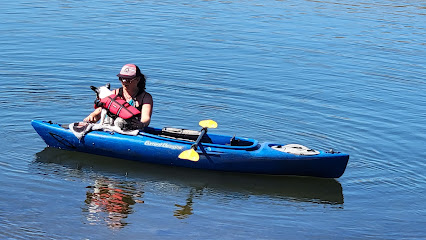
[[186, 135]]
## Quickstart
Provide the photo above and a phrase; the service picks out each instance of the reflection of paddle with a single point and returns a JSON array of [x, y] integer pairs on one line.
[[191, 154]]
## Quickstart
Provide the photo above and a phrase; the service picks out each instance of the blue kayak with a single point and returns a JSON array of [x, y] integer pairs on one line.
[[216, 152]]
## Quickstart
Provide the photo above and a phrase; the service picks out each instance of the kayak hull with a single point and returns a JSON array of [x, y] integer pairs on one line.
[[250, 157]]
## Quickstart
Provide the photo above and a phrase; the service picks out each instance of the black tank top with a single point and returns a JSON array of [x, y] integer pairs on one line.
[[120, 93]]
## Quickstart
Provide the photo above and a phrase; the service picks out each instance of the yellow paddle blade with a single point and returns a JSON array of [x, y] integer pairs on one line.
[[208, 124], [190, 154]]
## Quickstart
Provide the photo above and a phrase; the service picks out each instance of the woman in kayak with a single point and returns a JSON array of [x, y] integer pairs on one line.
[[133, 91]]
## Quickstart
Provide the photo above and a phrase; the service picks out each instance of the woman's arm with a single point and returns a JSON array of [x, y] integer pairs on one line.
[[94, 116], [146, 112]]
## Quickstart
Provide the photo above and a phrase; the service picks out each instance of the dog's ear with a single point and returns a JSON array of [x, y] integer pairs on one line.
[[96, 90], [108, 86]]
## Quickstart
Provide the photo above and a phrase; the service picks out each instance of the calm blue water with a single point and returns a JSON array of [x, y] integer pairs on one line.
[[327, 74]]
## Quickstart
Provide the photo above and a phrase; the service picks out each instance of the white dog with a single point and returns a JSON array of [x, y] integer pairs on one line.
[[108, 121]]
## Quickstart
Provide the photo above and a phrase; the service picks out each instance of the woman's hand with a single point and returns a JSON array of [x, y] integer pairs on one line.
[[137, 124], [92, 118]]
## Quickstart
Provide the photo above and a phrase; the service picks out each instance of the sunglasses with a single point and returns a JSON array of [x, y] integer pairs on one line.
[[124, 80]]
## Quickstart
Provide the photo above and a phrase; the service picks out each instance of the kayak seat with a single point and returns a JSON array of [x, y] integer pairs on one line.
[[183, 134], [239, 142]]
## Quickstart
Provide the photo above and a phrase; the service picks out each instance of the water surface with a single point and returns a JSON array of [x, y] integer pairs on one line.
[[326, 74]]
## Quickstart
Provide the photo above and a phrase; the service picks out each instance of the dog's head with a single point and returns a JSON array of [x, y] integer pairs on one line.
[[103, 91]]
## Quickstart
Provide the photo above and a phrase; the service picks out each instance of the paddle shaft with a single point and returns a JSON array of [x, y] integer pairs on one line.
[[195, 145], [191, 154]]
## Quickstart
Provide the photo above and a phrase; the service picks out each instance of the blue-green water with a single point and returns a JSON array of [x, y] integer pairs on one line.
[[344, 75]]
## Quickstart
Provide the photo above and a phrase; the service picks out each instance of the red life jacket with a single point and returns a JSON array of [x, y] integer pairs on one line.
[[117, 106]]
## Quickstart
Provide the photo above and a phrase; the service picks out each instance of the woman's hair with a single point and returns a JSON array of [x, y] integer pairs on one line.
[[142, 81]]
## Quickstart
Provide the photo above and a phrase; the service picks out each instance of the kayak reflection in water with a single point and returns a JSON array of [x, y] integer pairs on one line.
[[110, 203], [133, 91]]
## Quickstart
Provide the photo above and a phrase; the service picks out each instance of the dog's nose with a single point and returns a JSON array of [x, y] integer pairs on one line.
[[98, 103]]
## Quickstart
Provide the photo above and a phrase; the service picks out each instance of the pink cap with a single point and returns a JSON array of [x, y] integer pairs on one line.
[[128, 71]]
